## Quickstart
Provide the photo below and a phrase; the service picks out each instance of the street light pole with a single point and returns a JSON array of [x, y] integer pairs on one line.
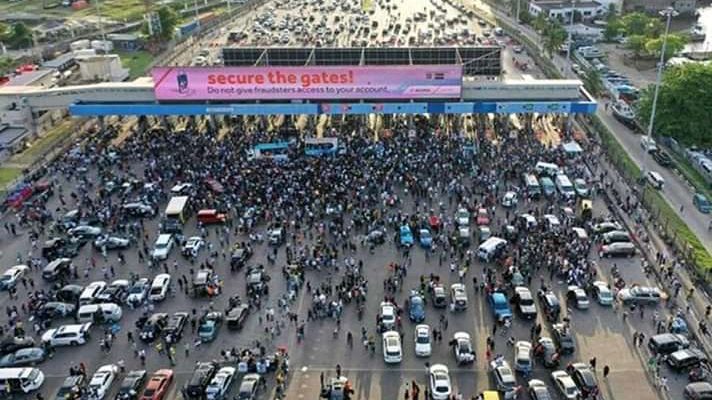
[[519, 3], [571, 30], [101, 21], [669, 13], [197, 20]]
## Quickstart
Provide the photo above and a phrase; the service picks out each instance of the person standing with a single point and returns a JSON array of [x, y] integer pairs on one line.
[[606, 371]]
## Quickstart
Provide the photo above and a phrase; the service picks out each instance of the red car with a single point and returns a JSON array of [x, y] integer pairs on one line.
[[482, 217], [157, 386], [434, 223]]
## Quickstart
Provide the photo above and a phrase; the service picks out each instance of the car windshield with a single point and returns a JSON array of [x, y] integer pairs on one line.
[[138, 288], [423, 339], [149, 392], [205, 328], [442, 389]]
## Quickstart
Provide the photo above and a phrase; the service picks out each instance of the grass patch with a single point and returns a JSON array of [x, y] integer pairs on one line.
[[40, 147], [136, 61], [674, 228], [8, 175]]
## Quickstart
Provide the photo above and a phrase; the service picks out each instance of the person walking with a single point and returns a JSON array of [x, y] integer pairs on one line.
[[606, 371]]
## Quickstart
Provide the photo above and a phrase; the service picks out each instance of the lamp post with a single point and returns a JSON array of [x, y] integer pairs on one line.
[[668, 13], [519, 3], [101, 21], [569, 40]]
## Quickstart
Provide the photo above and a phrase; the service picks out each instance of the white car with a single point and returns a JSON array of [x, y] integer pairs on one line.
[[10, 277], [463, 217], [192, 246], [159, 287], [162, 247], [220, 384], [504, 378], [458, 296], [388, 316], [85, 231], [439, 381], [67, 335], [101, 381], [523, 357], [603, 293], [423, 347], [552, 221], [392, 351], [91, 292], [464, 354], [565, 384], [139, 292], [577, 297], [510, 199]]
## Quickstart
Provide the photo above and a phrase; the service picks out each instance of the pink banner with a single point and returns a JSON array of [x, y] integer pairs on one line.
[[307, 83]]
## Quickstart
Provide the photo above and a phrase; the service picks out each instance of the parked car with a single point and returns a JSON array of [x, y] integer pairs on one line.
[[640, 295], [439, 382], [101, 381], [503, 376], [602, 293], [157, 386], [423, 345], [523, 361], [585, 380], [220, 384], [577, 297], [236, 316], [209, 325], [565, 385], [111, 242], [131, 385], [525, 302], [462, 346], [416, 308], [618, 249], [67, 335], [23, 357], [564, 339], [458, 296], [500, 306], [701, 203], [545, 350], [9, 278]]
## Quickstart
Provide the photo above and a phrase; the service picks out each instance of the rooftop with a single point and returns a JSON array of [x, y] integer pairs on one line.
[[565, 5], [28, 78]]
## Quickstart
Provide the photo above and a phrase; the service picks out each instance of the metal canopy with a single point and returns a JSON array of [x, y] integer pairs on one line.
[[476, 61]]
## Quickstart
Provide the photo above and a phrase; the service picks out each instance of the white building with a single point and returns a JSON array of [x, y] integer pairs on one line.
[[102, 68], [563, 9]]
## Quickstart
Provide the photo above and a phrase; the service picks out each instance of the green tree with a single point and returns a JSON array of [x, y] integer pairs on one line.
[[540, 22], [18, 35], [635, 23], [554, 36], [636, 44], [614, 28], [592, 82], [684, 103], [675, 44], [169, 20], [526, 17]]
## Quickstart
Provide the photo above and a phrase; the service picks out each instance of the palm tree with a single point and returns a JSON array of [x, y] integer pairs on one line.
[[553, 36]]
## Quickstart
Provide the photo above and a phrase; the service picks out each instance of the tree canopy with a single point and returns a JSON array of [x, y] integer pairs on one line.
[[684, 104], [675, 44], [17, 35], [168, 18]]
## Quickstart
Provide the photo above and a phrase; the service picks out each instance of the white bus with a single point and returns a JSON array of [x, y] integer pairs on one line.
[[176, 207], [321, 146], [563, 184], [20, 380]]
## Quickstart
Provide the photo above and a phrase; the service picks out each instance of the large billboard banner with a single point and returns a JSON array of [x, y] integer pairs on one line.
[[307, 83]]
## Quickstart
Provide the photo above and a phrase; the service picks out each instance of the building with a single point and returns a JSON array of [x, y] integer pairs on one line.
[[105, 67], [125, 41], [563, 9], [654, 6], [62, 63]]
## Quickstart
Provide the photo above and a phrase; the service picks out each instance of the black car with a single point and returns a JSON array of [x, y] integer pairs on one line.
[[117, 292], [131, 385], [239, 256], [72, 388], [11, 345], [564, 338], [57, 269], [439, 296], [203, 373], [550, 303], [61, 247], [662, 158], [686, 359], [69, 294], [585, 380], [257, 280], [236, 317], [55, 309], [174, 327], [152, 327]]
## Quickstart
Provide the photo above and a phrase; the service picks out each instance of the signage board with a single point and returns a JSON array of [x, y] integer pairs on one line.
[[308, 83]]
